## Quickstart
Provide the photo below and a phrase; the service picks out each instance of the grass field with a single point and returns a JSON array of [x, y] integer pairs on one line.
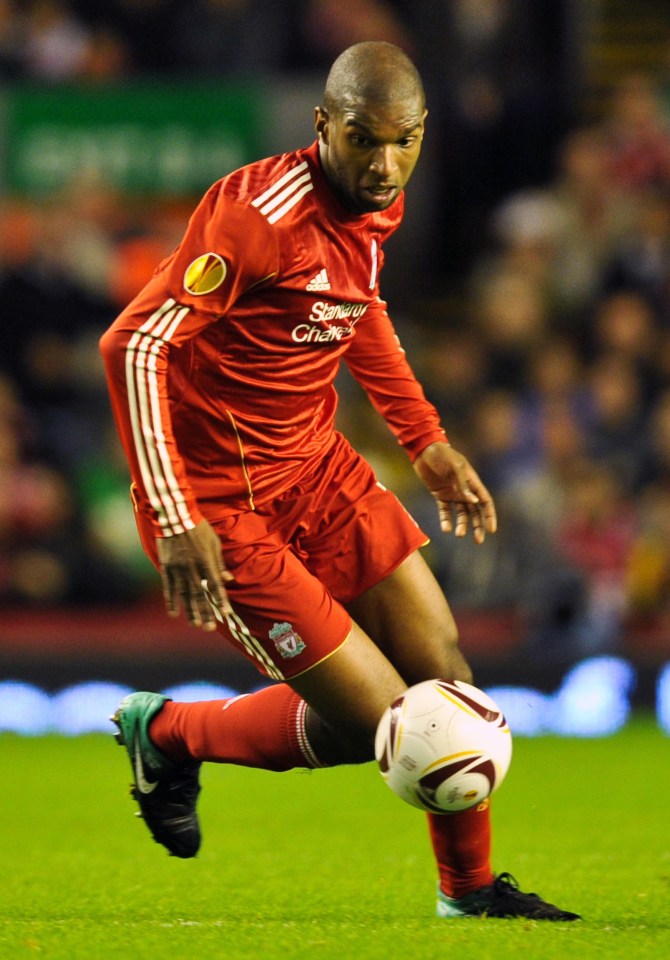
[[329, 864]]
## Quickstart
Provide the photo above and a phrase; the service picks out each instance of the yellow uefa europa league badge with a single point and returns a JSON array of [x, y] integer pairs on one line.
[[205, 274]]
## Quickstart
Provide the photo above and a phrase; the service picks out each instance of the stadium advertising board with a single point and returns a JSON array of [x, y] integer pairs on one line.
[[151, 139]]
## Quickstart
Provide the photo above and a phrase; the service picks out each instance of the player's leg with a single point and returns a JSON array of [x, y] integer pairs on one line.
[[167, 741], [289, 625], [409, 617], [324, 716]]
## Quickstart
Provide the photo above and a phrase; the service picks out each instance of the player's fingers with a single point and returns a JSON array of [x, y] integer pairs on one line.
[[462, 512], [485, 505], [490, 516], [478, 525], [465, 484], [170, 592], [446, 519], [191, 596], [217, 596], [183, 590]]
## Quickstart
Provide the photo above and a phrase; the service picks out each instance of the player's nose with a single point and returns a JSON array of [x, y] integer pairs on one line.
[[383, 161]]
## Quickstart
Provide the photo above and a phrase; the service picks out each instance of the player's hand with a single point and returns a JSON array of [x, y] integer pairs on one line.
[[463, 501], [193, 575]]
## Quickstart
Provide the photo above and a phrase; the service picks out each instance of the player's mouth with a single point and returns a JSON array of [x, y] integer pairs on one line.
[[380, 194]]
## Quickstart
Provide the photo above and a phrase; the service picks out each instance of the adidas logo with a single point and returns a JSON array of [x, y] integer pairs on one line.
[[319, 282]]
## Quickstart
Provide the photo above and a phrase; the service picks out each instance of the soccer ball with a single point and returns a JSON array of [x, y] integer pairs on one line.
[[443, 746]]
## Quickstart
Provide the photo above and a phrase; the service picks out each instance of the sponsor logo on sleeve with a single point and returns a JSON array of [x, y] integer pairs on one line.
[[205, 274]]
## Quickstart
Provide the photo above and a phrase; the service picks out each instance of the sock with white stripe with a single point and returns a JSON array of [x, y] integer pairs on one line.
[[265, 729]]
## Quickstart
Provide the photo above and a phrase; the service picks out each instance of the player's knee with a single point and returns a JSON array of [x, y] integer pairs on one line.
[[456, 667], [462, 670]]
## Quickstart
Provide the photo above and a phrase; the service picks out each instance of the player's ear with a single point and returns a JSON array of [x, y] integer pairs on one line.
[[321, 119]]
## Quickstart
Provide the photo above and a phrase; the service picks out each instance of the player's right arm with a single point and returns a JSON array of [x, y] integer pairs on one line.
[[227, 249]]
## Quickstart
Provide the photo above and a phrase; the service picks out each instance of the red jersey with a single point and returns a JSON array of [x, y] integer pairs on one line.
[[221, 370]]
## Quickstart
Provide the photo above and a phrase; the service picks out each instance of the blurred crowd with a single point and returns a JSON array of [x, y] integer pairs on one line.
[[94, 40], [544, 340]]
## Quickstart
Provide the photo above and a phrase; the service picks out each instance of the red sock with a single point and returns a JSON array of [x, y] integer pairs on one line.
[[265, 729], [462, 845]]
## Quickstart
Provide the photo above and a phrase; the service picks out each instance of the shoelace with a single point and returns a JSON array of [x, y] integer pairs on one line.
[[506, 884]]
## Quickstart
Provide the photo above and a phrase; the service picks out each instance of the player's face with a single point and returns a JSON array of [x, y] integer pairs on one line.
[[369, 151]]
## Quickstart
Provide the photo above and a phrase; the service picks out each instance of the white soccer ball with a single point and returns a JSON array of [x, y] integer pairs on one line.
[[443, 746]]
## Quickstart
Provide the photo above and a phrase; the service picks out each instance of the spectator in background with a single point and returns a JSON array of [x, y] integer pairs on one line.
[[329, 26], [615, 432], [553, 592], [663, 79], [49, 41], [232, 38], [511, 313], [637, 133], [497, 440], [649, 565], [624, 324], [141, 244], [454, 368], [77, 230], [657, 443], [499, 101], [107, 57], [54, 302], [57, 42], [555, 382], [12, 36], [36, 514], [596, 537], [539, 496], [570, 227], [145, 26], [640, 261], [100, 482]]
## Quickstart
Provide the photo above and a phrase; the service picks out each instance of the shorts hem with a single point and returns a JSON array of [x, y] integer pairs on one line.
[[392, 569], [322, 660]]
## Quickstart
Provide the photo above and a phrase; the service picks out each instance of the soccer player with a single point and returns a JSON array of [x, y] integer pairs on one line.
[[263, 521]]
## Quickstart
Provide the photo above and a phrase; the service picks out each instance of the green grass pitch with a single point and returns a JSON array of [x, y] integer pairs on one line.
[[329, 864]]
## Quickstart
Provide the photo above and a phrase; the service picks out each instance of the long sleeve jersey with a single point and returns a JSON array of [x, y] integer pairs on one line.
[[221, 370]]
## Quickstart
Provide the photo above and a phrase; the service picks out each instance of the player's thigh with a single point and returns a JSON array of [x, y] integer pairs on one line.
[[353, 686], [350, 689], [410, 620]]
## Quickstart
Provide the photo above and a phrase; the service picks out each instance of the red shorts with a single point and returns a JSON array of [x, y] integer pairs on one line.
[[297, 559]]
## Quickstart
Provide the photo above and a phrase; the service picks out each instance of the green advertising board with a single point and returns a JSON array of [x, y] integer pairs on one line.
[[146, 139]]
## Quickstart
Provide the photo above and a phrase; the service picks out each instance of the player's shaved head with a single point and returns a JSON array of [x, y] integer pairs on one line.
[[373, 72], [371, 125]]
